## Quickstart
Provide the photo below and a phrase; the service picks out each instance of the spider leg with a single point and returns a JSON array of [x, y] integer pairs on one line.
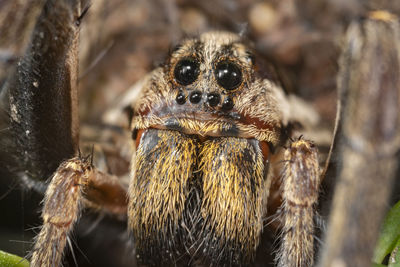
[[300, 183], [43, 103], [61, 210], [43, 91], [369, 139], [76, 183]]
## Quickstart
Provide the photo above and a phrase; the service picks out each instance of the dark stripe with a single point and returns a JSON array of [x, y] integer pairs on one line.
[[173, 124]]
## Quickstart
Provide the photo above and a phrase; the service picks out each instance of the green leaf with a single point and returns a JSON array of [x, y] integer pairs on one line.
[[10, 260], [390, 234], [394, 259], [378, 265]]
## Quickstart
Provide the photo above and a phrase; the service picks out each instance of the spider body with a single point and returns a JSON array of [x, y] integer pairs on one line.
[[201, 166]]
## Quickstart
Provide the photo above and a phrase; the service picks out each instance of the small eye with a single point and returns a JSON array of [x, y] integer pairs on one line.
[[227, 104], [180, 98], [195, 97], [213, 99], [228, 75], [186, 71]]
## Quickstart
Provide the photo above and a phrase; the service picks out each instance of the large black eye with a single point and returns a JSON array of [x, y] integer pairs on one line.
[[228, 75], [186, 71]]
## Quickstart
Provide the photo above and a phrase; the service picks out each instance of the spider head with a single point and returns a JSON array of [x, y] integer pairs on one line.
[[210, 87]]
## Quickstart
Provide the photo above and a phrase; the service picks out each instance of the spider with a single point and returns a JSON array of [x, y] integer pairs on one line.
[[212, 150]]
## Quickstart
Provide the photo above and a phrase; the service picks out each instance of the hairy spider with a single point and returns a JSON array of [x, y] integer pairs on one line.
[[210, 149]]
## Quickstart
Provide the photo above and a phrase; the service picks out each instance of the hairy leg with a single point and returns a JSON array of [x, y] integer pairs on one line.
[[43, 92], [61, 210], [300, 184], [75, 183]]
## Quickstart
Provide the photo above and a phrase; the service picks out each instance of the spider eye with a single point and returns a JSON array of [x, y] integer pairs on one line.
[[228, 75], [186, 71]]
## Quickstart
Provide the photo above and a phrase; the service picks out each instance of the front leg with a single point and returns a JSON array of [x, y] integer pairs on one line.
[[75, 183], [43, 93], [61, 210], [301, 181]]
